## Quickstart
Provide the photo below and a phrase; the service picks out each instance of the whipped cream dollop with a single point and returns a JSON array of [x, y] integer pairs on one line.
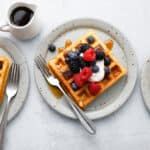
[[98, 76]]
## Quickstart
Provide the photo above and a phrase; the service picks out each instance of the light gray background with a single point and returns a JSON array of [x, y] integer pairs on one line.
[[38, 127]]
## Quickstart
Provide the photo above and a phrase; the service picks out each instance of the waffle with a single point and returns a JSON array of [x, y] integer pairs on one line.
[[4, 69], [82, 96]]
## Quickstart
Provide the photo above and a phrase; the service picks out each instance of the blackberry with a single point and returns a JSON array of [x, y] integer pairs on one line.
[[1, 64], [74, 66], [67, 74], [52, 47], [67, 60], [88, 64], [84, 47], [107, 61], [82, 63], [90, 39], [100, 55]]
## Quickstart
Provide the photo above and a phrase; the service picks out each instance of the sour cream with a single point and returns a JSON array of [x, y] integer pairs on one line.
[[98, 76]]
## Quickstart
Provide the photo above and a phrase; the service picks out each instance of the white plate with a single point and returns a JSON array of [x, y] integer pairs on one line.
[[145, 83], [9, 49], [113, 98]]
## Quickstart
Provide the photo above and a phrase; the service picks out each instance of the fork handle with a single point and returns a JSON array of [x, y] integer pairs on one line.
[[84, 120], [3, 124]]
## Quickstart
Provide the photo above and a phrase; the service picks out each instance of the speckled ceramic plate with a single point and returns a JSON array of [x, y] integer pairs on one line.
[[145, 83], [9, 49], [113, 98]]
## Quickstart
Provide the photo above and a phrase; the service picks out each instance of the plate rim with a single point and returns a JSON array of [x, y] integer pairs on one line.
[[97, 113], [142, 87], [18, 51]]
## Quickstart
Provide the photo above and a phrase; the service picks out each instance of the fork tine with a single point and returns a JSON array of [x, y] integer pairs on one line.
[[43, 66], [14, 74], [17, 74], [43, 62], [38, 63], [11, 74]]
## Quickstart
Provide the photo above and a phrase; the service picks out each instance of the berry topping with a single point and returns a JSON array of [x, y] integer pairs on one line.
[[107, 71], [77, 52], [95, 68], [1, 64], [90, 39], [82, 63], [85, 73], [72, 55], [74, 86], [52, 47], [107, 61], [94, 88], [84, 47], [88, 64], [67, 60], [78, 81], [74, 66], [93, 63], [67, 74], [73, 60], [100, 55], [89, 55]]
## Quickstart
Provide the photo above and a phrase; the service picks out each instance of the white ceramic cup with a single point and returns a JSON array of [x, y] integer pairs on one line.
[[28, 31]]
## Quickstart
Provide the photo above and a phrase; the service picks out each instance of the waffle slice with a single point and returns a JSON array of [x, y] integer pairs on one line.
[[4, 69], [82, 96]]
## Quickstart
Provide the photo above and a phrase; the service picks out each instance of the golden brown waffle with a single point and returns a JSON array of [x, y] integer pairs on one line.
[[4, 69], [82, 96]]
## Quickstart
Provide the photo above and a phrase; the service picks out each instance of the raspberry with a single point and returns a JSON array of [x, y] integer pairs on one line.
[[89, 55], [94, 88], [85, 73], [78, 81]]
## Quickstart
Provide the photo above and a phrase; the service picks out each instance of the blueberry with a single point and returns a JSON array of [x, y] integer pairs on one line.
[[107, 71], [52, 47], [77, 52], [90, 39], [72, 54], [95, 68], [107, 61], [84, 47], [100, 55], [74, 86]]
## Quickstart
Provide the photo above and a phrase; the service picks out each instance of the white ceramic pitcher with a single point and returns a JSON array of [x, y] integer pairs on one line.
[[28, 31]]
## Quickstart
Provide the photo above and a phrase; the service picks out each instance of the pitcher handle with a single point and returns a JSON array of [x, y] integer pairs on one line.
[[5, 28]]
